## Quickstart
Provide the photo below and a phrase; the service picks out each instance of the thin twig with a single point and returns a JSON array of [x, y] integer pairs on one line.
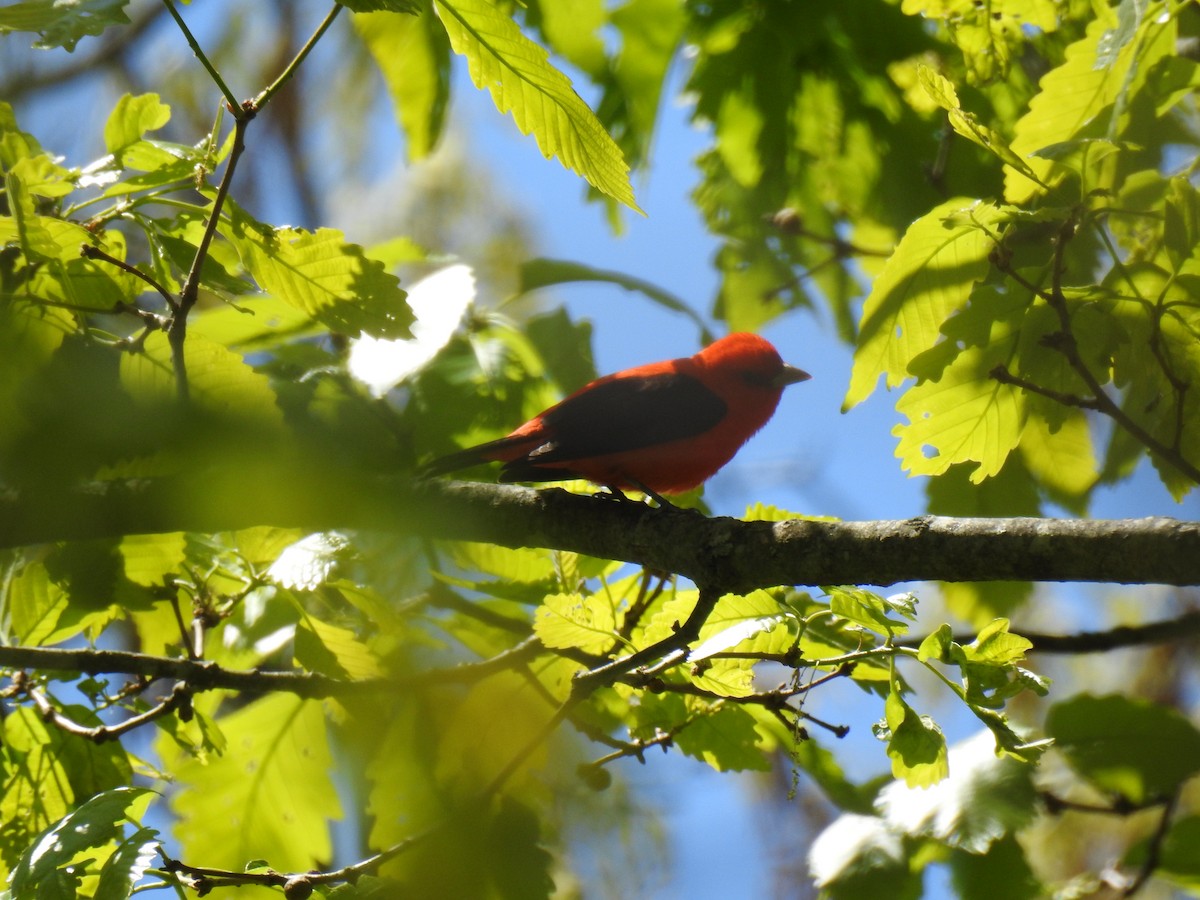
[[1001, 374], [265, 96], [1067, 345], [180, 697], [200, 55], [87, 251], [177, 333], [1154, 847]]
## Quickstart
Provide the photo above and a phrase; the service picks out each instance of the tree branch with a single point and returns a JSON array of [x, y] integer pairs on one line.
[[723, 553]]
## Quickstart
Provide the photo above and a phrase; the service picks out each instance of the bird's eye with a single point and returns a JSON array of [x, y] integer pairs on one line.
[[756, 379]]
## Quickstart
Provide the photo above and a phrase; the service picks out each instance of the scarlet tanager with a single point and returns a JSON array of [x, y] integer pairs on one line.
[[661, 428]]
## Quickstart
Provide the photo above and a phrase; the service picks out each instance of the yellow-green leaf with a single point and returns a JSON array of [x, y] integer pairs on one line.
[[414, 58], [573, 620], [330, 279], [271, 790], [927, 278], [132, 118], [541, 99]]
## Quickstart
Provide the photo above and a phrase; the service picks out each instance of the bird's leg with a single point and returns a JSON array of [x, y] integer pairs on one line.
[[662, 501]]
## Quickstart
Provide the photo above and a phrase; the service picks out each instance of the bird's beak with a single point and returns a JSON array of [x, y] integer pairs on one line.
[[790, 375]]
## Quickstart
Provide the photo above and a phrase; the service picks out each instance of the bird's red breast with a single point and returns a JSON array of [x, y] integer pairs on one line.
[[666, 426]]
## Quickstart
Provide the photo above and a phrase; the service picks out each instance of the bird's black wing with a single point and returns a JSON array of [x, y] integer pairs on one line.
[[629, 413]]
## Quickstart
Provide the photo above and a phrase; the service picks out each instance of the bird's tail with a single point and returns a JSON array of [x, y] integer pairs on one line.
[[501, 450]]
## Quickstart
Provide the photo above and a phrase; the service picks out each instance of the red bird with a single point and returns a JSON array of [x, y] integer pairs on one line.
[[662, 428]]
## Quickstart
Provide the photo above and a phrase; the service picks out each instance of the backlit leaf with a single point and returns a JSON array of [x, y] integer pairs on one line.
[[541, 99]]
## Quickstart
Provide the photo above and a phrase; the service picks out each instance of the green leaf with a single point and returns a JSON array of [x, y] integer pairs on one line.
[[868, 610], [965, 123], [151, 558], [271, 790], [219, 382], [937, 644], [1002, 873], [1126, 746], [565, 346], [721, 734], [572, 31], [916, 744], [1089, 89], [961, 414], [334, 651], [331, 280], [1177, 860], [929, 276], [92, 825], [131, 119], [33, 605], [522, 565], [127, 864], [542, 272], [521, 80], [573, 620], [1062, 459], [62, 24], [414, 57], [995, 645], [37, 787], [42, 176]]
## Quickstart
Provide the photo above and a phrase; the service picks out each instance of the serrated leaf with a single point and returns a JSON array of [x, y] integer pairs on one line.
[[740, 630], [92, 825], [150, 558], [541, 99], [271, 790], [724, 677], [37, 788], [520, 565], [1089, 89], [334, 651], [330, 279], [957, 413], [928, 277], [32, 605], [573, 620], [1062, 458], [62, 24], [1126, 746], [724, 737]]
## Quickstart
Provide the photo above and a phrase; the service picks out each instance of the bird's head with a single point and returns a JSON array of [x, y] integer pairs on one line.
[[752, 359]]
